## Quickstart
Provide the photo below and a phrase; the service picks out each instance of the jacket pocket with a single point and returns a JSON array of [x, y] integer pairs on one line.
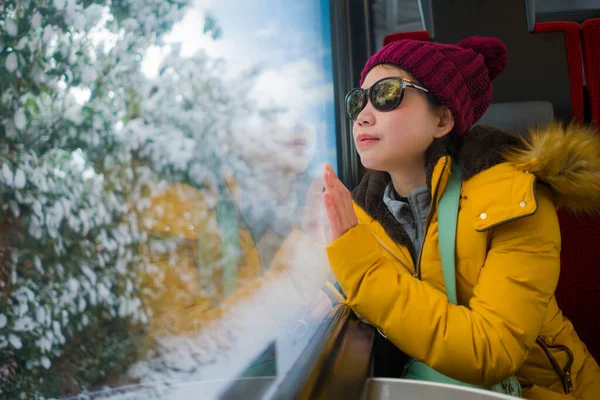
[[564, 373]]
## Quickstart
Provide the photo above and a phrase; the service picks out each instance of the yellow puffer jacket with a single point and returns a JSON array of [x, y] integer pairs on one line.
[[186, 260], [507, 320], [198, 265]]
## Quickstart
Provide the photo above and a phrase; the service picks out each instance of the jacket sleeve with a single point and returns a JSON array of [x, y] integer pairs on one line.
[[291, 283], [483, 343], [305, 265]]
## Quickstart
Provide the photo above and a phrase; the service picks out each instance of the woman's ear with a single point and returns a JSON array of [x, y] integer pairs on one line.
[[445, 122]]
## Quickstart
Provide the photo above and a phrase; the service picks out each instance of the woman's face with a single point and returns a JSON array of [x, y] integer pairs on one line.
[[295, 142], [281, 140], [393, 140]]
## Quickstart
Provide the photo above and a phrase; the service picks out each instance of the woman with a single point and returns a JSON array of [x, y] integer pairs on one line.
[[412, 127], [209, 251]]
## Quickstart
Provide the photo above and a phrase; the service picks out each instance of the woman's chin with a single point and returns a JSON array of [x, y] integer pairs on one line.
[[294, 165], [370, 163]]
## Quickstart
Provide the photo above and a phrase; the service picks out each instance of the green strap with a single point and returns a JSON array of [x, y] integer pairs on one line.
[[227, 222], [447, 219]]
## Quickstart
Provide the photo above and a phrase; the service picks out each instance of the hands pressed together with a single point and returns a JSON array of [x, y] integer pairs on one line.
[[338, 205], [337, 202]]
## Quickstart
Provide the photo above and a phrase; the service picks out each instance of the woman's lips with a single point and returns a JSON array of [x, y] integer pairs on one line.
[[300, 142], [365, 140]]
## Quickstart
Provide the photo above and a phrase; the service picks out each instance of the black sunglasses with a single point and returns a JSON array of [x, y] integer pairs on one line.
[[385, 95]]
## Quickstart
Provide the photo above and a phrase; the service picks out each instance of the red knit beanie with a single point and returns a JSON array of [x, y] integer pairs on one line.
[[460, 76]]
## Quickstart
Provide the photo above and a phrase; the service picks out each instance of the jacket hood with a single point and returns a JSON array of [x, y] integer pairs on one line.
[[566, 157]]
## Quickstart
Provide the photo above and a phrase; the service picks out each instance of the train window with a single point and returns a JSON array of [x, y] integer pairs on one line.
[[159, 208], [575, 10]]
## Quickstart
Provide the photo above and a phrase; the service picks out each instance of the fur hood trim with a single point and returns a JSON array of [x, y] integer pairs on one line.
[[568, 159]]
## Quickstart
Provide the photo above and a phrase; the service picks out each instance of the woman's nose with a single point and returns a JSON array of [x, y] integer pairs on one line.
[[366, 116]]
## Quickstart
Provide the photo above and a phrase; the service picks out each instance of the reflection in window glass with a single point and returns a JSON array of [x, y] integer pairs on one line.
[[160, 217], [573, 6]]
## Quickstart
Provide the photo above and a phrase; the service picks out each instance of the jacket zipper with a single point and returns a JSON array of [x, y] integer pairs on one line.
[[417, 274], [563, 373]]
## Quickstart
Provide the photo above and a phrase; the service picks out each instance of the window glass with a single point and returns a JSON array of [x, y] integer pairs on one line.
[[574, 10], [159, 210]]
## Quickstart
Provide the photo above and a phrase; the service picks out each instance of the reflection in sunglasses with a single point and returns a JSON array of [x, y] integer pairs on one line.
[[385, 95]]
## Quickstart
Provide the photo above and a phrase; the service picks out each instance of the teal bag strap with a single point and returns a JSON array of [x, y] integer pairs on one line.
[[227, 223], [447, 220]]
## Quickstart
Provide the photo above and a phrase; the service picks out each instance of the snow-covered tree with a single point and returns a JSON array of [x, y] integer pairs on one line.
[[86, 139], [84, 134]]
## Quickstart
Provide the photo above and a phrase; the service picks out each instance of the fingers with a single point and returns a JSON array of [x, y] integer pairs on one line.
[[313, 220], [338, 205], [315, 191], [335, 225], [342, 198]]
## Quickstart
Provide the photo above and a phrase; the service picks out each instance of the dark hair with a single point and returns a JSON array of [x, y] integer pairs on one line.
[[453, 140], [432, 100]]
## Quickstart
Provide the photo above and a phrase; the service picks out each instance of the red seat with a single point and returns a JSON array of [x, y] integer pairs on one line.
[[571, 31], [590, 32], [578, 292], [416, 35]]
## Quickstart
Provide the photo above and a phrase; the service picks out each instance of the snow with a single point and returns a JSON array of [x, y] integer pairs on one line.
[[6, 174], [91, 275], [74, 114], [45, 361], [93, 210], [11, 27], [9, 129], [40, 315], [58, 332], [89, 75], [15, 341], [24, 324], [82, 305], [11, 62], [44, 344], [36, 20], [19, 179], [20, 119], [48, 34]]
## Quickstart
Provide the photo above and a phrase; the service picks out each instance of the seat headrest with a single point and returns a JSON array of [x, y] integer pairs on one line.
[[518, 116]]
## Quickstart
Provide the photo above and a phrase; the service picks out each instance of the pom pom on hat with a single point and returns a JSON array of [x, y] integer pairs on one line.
[[492, 50]]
